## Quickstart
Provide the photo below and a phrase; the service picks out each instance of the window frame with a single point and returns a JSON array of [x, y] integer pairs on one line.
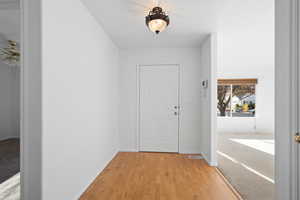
[[233, 82]]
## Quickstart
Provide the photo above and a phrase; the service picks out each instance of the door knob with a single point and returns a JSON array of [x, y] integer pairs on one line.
[[297, 138], [175, 113]]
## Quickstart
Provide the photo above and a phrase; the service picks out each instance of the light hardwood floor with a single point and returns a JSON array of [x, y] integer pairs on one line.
[[158, 176]]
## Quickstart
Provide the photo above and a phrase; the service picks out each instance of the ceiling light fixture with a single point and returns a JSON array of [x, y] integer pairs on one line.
[[157, 20]]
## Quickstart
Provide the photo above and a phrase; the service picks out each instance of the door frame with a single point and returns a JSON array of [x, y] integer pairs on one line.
[[286, 86], [138, 88], [287, 79], [294, 108], [31, 146], [31, 99]]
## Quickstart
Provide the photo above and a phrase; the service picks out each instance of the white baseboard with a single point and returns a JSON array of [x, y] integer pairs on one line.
[[188, 152], [7, 138], [128, 150], [213, 164], [134, 150], [209, 162]]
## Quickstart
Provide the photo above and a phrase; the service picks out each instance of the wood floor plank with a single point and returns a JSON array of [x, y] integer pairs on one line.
[[158, 176]]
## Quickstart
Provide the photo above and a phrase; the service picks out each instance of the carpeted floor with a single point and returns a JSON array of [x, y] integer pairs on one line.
[[9, 158], [9, 169], [247, 161], [10, 189]]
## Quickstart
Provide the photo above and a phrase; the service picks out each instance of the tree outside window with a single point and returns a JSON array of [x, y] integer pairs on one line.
[[236, 98]]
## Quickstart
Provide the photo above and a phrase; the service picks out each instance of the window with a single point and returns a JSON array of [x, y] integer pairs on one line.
[[236, 97]]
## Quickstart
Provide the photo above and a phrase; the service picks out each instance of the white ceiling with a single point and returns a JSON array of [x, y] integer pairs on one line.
[[191, 20]]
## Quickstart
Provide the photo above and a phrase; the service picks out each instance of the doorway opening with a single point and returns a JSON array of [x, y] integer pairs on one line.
[[246, 104], [10, 36], [245, 153]]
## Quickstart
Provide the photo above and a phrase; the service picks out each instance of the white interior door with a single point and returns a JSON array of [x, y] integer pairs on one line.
[[159, 108]]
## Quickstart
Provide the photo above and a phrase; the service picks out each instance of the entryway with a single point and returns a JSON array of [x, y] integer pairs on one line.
[[86, 107], [169, 176]]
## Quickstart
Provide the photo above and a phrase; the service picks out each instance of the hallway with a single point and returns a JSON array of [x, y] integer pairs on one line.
[[157, 176]]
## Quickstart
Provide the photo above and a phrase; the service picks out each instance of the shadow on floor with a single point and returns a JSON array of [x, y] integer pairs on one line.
[[9, 158], [247, 161], [10, 189]]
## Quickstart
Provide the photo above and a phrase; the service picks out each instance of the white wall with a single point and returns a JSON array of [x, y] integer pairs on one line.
[[80, 99], [189, 60], [9, 102], [249, 53], [5, 102], [208, 99], [9, 77]]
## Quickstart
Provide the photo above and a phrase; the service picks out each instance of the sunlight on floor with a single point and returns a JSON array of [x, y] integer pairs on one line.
[[266, 146], [10, 189], [246, 167]]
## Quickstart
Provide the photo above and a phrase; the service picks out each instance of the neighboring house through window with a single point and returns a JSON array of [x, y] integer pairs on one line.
[[236, 97]]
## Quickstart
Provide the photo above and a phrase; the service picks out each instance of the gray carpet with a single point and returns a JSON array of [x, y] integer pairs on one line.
[[247, 161], [10, 189], [9, 169], [9, 158]]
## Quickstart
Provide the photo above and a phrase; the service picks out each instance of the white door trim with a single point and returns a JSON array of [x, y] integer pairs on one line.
[[138, 67], [294, 97], [31, 100], [213, 96], [286, 64]]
